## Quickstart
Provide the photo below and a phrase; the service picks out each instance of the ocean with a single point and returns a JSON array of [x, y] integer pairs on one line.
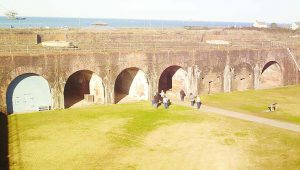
[[42, 22]]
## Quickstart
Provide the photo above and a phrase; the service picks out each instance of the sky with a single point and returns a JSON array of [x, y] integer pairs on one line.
[[280, 11]]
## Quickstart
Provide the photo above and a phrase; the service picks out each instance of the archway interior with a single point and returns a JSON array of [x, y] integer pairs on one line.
[[271, 75], [211, 83], [131, 85], [83, 88], [172, 81], [243, 78], [28, 93]]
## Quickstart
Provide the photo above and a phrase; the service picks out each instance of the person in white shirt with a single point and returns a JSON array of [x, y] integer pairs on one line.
[[162, 94], [198, 101]]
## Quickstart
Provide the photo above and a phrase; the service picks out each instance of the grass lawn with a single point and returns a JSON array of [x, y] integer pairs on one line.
[[137, 136], [256, 102]]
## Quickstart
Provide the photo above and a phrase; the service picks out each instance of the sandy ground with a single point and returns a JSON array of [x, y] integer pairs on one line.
[[188, 146]]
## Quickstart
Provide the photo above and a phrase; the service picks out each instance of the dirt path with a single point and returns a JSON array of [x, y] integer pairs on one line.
[[243, 116]]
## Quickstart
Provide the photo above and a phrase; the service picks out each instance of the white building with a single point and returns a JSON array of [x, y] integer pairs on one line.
[[258, 24], [295, 25]]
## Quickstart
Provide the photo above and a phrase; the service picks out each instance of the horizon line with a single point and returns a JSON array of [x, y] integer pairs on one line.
[[153, 19]]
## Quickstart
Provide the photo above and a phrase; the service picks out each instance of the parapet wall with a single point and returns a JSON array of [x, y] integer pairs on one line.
[[18, 38]]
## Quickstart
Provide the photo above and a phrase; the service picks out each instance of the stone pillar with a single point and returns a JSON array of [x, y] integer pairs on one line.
[[2, 102], [153, 83], [2, 106], [57, 91], [110, 94], [193, 76], [256, 77], [228, 74]]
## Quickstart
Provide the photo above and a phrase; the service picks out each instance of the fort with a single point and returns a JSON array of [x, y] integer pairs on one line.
[[111, 66]]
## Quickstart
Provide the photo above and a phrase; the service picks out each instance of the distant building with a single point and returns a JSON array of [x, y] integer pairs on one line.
[[258, 24], [13, 15], [295, 25], [100, 23]]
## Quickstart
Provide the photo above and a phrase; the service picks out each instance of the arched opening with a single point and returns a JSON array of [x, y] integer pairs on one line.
[[28, 93], [131, 85], [271, 75], [172, 80], [243, 77], [83, 88]]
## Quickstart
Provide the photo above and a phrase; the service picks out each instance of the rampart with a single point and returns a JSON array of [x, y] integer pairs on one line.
[[210, 68]]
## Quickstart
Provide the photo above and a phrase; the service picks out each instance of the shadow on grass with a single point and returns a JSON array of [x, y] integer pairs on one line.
[[4, 163]]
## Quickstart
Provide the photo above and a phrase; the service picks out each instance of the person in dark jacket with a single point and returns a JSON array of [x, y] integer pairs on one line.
[[156, 100], [182, 95], [192, 99], [153, 100], [166, 102]]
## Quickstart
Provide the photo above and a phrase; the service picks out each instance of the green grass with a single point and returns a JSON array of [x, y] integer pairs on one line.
[[138, 136], [256, 102]]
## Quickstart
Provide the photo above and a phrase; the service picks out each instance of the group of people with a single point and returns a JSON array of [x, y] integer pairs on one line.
[[161, 97], [193, 99]]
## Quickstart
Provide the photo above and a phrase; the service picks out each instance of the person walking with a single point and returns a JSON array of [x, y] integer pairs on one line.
[[192, 99], [182, 95], [162, 94], [153, 99], [198, 101], [166, 102], [156, 100]]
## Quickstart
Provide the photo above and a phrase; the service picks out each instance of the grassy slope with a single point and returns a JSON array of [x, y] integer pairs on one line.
[[256, 102], [103, 136]]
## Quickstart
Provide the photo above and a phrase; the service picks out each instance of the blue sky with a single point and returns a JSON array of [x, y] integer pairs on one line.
[[284, 11]]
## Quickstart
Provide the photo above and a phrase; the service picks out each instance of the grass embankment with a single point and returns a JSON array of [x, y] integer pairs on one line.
[[138, 136], [256, 102]]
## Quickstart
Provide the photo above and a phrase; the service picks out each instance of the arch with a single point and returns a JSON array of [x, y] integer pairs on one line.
[[243, 77], [271, 75], [172, 80], [83, 87], [28, 92], [131, 85]]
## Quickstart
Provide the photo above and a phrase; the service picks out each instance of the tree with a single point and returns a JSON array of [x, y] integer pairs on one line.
[[274, 25]]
